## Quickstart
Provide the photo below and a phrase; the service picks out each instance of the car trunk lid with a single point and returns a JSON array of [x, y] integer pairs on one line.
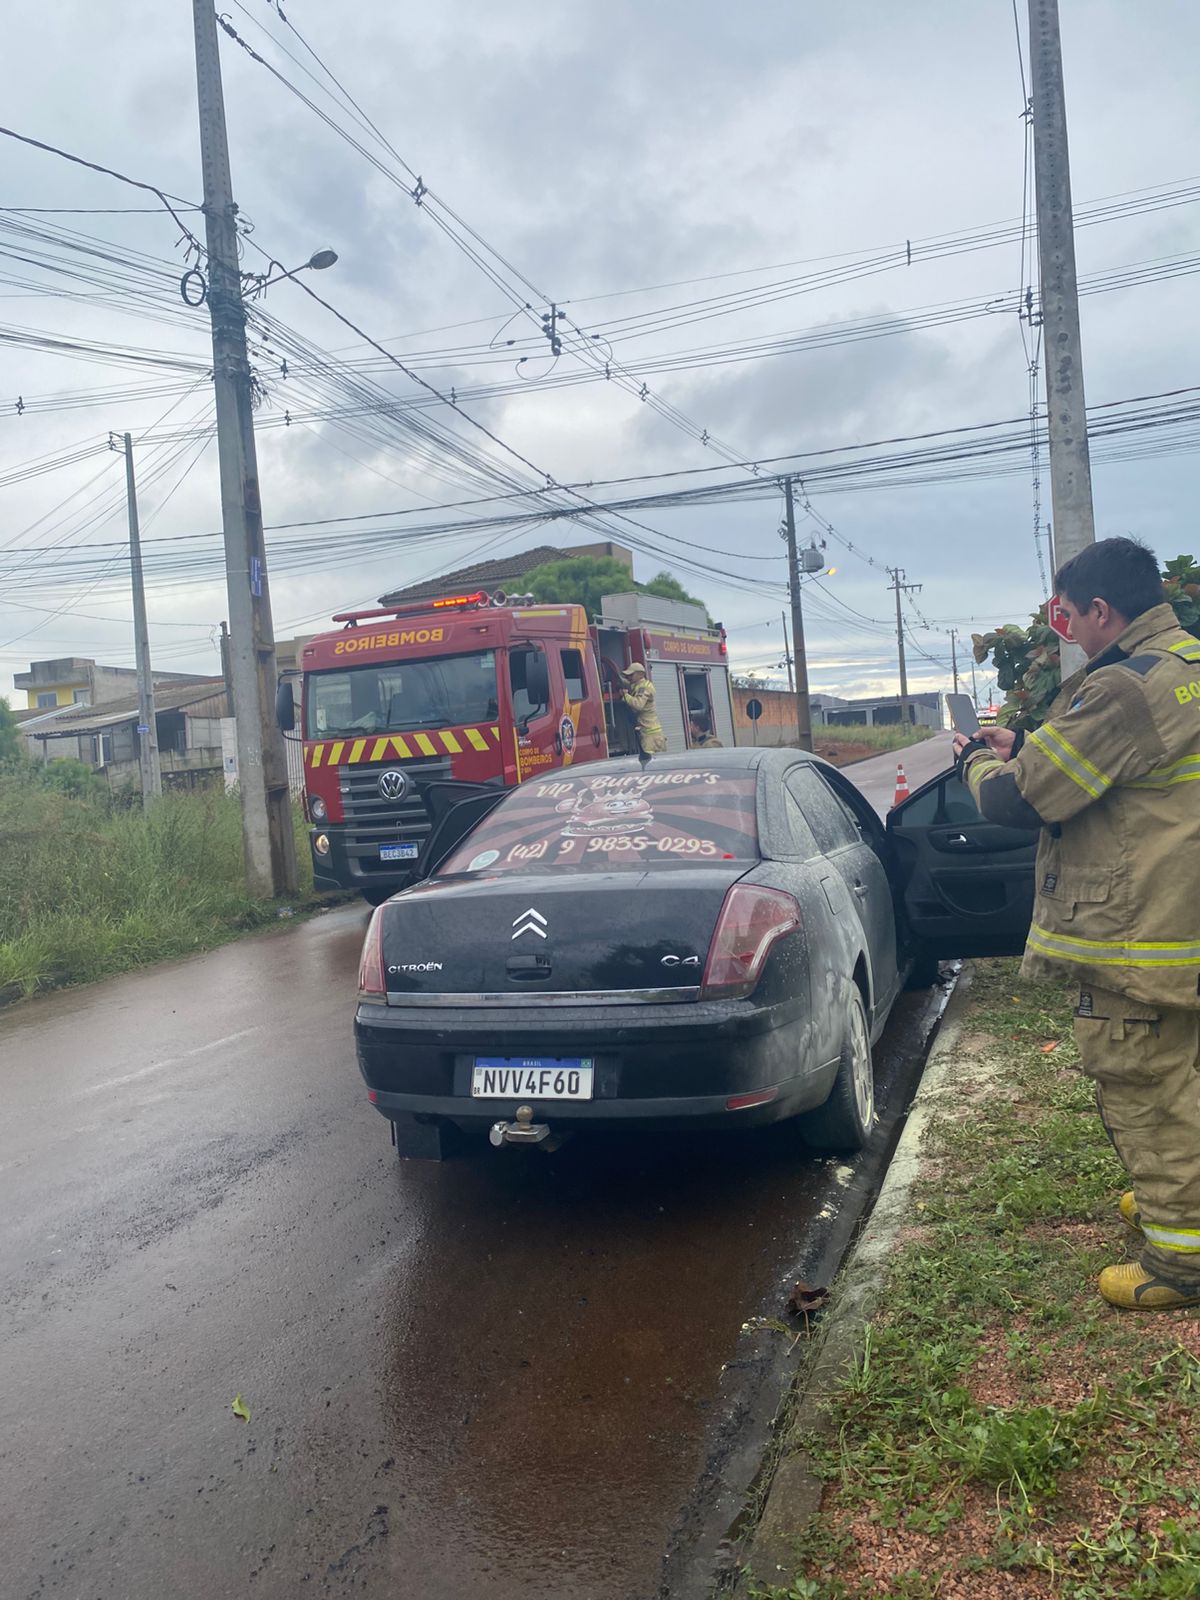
[[620, 934]]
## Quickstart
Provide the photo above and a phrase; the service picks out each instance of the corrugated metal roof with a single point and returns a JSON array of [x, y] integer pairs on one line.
[[110, 713]]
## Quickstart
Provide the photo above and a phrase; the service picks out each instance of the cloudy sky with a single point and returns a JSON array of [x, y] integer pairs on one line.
[[694, 185]]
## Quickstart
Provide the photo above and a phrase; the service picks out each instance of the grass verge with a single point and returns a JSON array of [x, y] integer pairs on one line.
[[89, 887], [1002, 1431], [876, 739]]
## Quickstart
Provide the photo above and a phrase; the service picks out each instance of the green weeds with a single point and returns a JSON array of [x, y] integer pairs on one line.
[[997, 1406], [881, 738], [89, 887]]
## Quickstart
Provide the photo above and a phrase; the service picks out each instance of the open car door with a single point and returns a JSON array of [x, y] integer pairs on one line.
[[967, 883], [456, 808]]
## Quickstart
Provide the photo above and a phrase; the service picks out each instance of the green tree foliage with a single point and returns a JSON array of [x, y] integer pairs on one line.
[[10, 739], [1027, 659], [585, 580], [668, 588]]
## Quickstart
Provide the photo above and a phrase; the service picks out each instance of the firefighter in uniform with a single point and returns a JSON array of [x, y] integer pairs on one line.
[[639, 697], [1112, 778], [702, 736]]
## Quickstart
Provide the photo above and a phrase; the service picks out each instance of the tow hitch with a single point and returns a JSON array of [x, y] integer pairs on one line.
[[524, 1130]]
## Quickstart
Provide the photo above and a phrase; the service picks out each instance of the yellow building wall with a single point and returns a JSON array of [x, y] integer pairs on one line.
[[65, 694]]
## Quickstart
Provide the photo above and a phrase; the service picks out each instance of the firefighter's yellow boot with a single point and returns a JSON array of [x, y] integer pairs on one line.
[[1130, 1214], [1132, 1288]]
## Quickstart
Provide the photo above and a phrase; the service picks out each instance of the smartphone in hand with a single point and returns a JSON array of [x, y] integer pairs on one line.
[[963, 715]]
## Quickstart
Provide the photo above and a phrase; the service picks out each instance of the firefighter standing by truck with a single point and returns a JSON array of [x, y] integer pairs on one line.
[[639, 696], [1110, 779]]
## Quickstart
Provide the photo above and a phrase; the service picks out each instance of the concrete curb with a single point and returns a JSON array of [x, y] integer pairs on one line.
[[794, 1497]]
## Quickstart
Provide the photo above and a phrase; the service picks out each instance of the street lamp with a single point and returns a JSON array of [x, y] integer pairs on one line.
[[319, 261]]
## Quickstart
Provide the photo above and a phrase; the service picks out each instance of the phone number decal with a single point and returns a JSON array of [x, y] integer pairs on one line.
[[673, 845]]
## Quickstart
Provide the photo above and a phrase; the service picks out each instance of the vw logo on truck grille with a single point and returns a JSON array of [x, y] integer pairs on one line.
[[393, 784]]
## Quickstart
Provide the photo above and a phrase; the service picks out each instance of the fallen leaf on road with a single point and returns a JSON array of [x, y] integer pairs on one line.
[[240, 1408], [805, 1299]]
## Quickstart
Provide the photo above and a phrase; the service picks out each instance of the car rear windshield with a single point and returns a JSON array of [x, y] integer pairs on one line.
[[587, 821], [391, 696]]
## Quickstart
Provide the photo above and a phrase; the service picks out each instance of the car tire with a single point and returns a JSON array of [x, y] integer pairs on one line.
[[376, 897], [843, 1124], [924, 972]]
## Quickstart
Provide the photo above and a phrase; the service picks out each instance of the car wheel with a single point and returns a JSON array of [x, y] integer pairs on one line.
[[843, 1124], [923, 973], [376, 897]]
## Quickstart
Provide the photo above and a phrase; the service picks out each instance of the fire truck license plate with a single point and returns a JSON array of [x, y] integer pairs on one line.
[[399, 852], [531, 1078]]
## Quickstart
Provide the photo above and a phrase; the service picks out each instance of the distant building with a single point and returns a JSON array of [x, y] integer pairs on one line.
[[79, 681], [188, 719], [883, 710], [777, 724], [505, 572]]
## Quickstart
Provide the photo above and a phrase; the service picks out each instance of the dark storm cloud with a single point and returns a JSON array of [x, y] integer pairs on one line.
[[605, 147]]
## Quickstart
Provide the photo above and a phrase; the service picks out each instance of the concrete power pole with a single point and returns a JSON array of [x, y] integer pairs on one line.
[[1066, 414], [787, 653], [954, 656], [900, 587], [803, 709], [147, 730], [267, 838]]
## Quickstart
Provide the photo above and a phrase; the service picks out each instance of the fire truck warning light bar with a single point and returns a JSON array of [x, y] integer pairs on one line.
[[450, 602]]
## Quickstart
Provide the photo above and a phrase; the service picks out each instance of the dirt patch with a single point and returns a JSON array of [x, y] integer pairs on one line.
[[841, 752], [880, 1554]]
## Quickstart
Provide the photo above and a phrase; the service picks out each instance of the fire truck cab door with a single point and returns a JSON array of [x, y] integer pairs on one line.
[[583, 704], [537, 698]]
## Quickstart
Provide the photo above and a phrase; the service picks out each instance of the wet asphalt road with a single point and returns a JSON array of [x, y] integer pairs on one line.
[[499, 1376], [876, 776]]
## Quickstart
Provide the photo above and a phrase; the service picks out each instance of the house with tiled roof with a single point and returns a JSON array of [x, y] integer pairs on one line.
[[503, 572]]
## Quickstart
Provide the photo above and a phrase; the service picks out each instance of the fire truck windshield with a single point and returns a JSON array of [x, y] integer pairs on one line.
[[390, 696]]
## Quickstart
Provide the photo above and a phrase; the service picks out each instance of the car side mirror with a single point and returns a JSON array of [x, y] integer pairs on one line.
[[285, 706]]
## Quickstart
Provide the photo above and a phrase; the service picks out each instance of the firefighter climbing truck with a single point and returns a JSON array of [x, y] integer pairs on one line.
[[401, 706]]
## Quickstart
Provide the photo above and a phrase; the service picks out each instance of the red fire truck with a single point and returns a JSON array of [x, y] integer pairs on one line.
[[406, 708]]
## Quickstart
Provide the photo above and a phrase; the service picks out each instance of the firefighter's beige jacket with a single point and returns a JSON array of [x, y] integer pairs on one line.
[[1114, 777], [640, 698]]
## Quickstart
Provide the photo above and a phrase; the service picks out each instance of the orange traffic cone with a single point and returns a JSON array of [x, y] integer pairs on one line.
[[901, 785]]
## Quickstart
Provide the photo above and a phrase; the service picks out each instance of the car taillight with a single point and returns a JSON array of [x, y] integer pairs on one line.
[[371, 982], [751, 920]]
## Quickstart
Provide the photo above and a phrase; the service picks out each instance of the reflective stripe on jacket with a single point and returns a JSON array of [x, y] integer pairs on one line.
[[1110, 775]]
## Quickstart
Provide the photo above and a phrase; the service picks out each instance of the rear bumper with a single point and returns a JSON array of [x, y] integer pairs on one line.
[[656, 1066]]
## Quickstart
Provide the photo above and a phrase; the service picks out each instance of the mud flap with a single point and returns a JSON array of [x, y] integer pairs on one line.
[[419, 1140]]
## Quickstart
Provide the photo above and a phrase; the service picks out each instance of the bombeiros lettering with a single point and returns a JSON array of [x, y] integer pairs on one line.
[[388, 641]]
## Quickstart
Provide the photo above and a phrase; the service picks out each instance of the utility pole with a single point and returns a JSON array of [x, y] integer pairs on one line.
[[900, 587], [147, 730], [974, 688], [1066, 413], [954, 656], [803, 710], [787, 653], [267, 839]]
